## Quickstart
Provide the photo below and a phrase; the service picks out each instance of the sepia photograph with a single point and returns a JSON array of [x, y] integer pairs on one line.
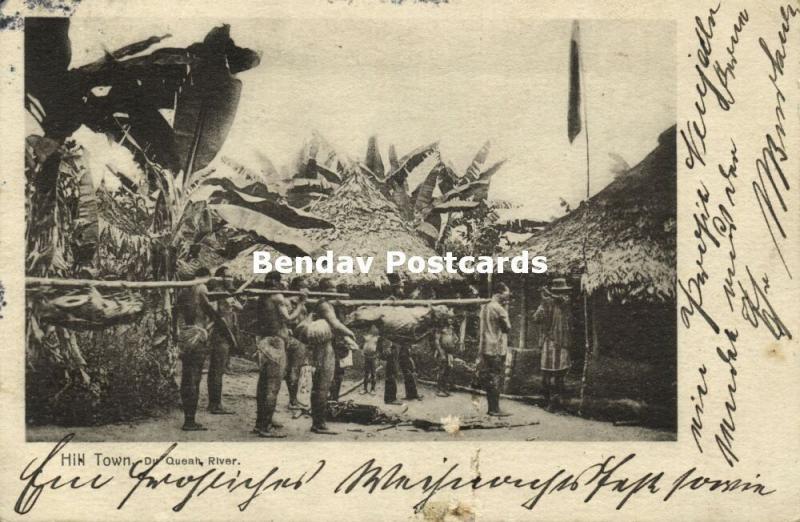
[[164, 157]]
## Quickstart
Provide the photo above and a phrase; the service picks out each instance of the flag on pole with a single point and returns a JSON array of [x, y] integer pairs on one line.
[[574, 112]]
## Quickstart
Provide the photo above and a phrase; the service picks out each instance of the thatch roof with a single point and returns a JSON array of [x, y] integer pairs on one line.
[[241, 266], [368, 224], [629, 228]]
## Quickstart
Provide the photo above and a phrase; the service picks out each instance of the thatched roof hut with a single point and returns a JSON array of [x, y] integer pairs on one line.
[[241, 267], [368, 224], [629, 231]]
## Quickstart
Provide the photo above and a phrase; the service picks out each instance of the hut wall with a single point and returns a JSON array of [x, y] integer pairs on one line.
[[636, 359]]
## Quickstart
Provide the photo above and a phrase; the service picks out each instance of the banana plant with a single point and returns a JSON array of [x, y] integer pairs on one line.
[[318, 172], [394, 184], [122, 94], [459, 194]]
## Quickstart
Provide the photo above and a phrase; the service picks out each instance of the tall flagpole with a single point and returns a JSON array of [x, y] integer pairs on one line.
[[587, 348]]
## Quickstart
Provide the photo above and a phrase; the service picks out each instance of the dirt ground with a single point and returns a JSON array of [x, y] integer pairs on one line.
[[239, 396]]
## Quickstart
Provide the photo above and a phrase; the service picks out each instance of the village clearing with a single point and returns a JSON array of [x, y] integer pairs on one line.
[[239, 396]]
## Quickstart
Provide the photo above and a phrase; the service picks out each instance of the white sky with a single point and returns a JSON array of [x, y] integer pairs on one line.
[[460, 82]]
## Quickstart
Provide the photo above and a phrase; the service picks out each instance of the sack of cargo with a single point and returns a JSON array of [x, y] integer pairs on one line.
[[87, 309], [314, 332], [193, 340], [400, 322]]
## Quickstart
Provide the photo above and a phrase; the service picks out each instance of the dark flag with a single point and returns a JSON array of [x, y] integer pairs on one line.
[[574, 111]]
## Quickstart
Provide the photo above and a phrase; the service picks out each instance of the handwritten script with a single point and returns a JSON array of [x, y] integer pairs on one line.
[[613, 476], [721, 266]]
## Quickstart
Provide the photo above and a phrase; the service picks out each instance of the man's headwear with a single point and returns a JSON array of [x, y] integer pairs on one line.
[[559, 284]]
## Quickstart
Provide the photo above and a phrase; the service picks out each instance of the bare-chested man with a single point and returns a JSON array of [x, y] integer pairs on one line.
[[318, 332], [220, 349], [295, 349], [196, 318], [275, 317]]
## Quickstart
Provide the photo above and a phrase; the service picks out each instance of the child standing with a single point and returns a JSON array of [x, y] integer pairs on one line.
[[370, 351], [445, 342]]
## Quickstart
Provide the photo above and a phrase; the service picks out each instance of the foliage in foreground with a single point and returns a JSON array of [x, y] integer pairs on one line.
[[128, 374]]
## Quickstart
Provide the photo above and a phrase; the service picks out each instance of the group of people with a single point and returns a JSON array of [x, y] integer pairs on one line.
[[287, 330], [291, 331]]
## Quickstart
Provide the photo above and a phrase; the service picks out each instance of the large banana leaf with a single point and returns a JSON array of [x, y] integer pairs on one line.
[[429, 231], [314, 170], [200, 76], [204, 115], [398, 193], [396, 183], [393, 162], [447, 177], [312, 185], [468, 191], [86, 231], [269, 205], [48, 52], [430, 228], [257, 189], [474, 169], [423, 194], [411, 161], [272, 231], [373, 159], [318, 159], [487, 174], [454, 205]]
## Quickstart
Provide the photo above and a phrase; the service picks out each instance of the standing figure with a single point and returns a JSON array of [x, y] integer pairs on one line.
[[318, 331], [493, 347], [445, 343], [220, 346], [399, 359], [370, 351], [295, 349], [340, 350], [273, 337], [196, 317], [555, 317]]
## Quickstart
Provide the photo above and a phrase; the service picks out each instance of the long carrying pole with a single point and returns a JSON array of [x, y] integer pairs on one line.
[[587, 351], [358, 302], [34, 282], [100, 283]]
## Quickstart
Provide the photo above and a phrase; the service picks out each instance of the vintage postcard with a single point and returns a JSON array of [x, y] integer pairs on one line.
[[399, 260]]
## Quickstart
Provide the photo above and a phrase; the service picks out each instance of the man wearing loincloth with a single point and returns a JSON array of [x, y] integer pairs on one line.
[[220, 347], [554, 316], [318, 332], [196, 317], [273, 336], [295, 349], [399, 360]]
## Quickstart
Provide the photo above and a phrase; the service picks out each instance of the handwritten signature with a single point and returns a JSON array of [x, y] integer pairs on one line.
[[774, 153]]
